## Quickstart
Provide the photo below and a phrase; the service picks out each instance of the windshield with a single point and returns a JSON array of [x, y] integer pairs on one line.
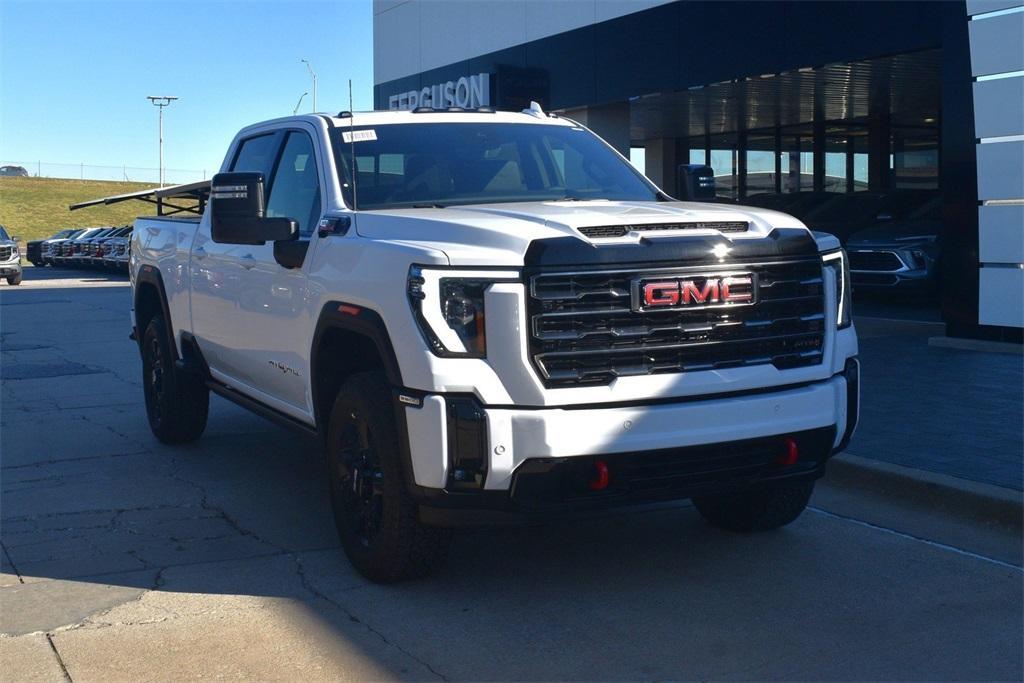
[[3, 233], [445, 164]]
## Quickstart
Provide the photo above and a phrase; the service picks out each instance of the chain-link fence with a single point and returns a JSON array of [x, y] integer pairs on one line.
[[48, 169]]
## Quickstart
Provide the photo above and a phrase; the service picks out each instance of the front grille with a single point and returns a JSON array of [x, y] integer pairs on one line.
[[598, 231], [874, 260], [585, 332], [5, 253]]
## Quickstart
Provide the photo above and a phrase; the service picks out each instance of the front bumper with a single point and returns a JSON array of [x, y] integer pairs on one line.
[[10, 269], [533, 462]]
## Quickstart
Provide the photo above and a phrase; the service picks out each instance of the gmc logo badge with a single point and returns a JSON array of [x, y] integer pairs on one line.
[[695, 291]]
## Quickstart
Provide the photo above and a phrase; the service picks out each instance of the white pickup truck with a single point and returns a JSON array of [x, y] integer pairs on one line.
[[496, 318]]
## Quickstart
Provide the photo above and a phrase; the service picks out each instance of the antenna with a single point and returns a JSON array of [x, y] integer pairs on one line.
[[352, 146]]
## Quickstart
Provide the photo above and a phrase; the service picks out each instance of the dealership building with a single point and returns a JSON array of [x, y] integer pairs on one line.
[[777, 97]]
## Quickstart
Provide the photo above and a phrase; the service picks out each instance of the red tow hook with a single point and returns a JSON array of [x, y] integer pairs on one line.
[[599, 480], [791, 453]]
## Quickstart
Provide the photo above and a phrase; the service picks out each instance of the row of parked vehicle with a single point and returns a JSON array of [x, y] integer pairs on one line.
[[100, 247], [892, 238]]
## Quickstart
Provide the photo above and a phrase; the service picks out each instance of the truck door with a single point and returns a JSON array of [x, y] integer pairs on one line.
[[274, 309], [259, 324], [218, 281]]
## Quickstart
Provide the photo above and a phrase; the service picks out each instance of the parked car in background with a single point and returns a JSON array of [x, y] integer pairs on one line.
[[78, 255], [846, 214], [46, 246], [55, 247], [102, 244], [71, 248], [10, 258], [34, 252], [902, 253], [115, 250], [91, 247], [16, 171], [797, 204]]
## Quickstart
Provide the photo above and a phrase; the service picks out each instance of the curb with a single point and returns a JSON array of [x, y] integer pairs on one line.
[[939, 492], [976, 345]]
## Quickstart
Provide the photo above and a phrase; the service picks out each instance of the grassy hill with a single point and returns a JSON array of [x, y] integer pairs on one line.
[[33, 208]]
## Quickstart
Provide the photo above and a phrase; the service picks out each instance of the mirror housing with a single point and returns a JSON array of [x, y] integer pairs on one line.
[[238, 212], [695, 182]]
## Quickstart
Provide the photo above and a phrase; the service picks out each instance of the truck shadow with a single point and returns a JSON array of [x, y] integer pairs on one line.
[[51, 274]]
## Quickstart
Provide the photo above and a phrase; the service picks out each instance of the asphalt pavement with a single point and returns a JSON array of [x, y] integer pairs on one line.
[[127, 560]]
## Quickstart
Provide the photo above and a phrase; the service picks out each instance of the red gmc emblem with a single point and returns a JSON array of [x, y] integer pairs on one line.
[[695, 291]]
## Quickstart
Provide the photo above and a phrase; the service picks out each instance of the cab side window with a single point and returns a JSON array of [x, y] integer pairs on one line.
[[295, 186], [254, 155]]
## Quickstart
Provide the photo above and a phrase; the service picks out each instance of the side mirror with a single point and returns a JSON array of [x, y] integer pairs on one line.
[[695, 182], [238, 212], [16, 238]]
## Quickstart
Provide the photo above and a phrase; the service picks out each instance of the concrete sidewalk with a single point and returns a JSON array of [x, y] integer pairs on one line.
[[951, 411], [124, 560]]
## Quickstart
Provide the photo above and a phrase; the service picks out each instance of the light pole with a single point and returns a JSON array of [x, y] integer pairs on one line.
[[161, 101], [313, 74], [296, 110]]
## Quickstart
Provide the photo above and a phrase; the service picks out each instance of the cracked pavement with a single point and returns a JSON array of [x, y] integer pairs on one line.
[[123, 559]]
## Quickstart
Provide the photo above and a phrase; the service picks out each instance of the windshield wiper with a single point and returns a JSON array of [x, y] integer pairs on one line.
[[428, 206], [577, 199]]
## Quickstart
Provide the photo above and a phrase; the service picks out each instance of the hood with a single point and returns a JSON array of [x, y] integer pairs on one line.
[[501, 234], [897, 233]]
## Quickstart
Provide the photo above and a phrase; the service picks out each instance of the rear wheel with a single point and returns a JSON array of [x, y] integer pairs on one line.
[[14, 279], [759, 510], [177, 403], [377, 520]]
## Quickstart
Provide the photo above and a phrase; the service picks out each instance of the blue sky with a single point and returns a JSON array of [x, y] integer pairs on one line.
[[74, 75]]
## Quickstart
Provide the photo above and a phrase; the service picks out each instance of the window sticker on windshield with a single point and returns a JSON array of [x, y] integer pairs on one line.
[[359, 135]]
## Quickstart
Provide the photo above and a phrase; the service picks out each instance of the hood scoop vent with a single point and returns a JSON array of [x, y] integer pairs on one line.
[[599, 231]]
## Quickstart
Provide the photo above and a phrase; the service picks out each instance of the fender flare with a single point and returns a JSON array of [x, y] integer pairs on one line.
[[150, 275], [366, 322]]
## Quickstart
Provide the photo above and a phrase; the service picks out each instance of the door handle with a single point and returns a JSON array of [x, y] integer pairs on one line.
[[199, 253], [248, 261]]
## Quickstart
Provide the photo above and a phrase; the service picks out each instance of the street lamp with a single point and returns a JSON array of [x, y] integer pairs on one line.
[[296, 110], [313, 74], [161, 101]]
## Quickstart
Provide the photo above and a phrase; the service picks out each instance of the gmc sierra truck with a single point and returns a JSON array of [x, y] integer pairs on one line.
[[491, 317]]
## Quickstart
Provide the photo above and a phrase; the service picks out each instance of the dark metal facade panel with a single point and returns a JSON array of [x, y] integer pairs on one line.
[[686, 44]]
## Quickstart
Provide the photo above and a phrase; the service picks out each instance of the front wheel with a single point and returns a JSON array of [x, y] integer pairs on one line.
[[177, 404], [758, 510], [14, 279], [377, 520]]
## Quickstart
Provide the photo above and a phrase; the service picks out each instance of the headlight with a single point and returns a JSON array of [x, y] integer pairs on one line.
[[449, 308], [15, 251], [837, 263]]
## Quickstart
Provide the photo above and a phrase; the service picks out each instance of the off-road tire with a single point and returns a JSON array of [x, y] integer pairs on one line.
[[177, 403], [758, 510], [377, 520], [14, 279]]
